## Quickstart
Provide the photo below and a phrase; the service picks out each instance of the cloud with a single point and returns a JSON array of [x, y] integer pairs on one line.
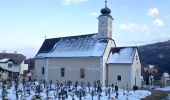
[[153, 11], [133, 26], [158, 22], [70, 2], [128, 26], [93, 13]]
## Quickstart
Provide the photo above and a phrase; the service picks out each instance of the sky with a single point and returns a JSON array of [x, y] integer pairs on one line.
[[24, 24]]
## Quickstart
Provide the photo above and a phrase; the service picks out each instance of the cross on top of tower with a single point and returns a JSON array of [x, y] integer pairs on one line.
[[105, 3]]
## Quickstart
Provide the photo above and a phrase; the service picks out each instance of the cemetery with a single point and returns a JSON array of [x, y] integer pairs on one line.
[[34, 90]]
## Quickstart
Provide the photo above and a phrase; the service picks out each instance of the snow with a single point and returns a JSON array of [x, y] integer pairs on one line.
[[123, 94], [4, 60], [124, 56], [164, 89], [151, 66], [165, 74], [151, 76], [77, 47], [36, 83]]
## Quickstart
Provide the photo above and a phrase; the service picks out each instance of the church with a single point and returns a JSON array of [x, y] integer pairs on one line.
[[88, 58]]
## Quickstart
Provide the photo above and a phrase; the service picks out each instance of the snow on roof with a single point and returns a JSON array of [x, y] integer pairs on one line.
[[165, 74], [76, 46], [151, 66], [121, 55], [4, 60], [16, 58]]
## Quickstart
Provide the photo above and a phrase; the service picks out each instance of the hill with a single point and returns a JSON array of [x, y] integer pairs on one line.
[[157, 54]]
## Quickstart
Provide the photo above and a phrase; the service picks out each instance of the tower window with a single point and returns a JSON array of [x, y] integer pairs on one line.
[[82, 73], [62, 72]]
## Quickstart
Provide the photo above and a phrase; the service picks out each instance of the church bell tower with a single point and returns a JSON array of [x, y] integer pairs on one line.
[[105, 23]]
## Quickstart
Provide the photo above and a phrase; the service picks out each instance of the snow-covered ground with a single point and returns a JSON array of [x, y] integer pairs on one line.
[[52, 94], [164, 89]]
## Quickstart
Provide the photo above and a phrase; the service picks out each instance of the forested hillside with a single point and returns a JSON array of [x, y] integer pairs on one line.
[[157, 54]]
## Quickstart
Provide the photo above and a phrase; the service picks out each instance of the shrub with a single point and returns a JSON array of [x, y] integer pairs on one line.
[[135, 87]]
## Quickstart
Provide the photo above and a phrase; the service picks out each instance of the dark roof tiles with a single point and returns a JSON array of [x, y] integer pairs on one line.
[[17, 58]]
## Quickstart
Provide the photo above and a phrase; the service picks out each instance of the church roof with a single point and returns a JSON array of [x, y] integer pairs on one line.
[[121, 55], [73, 46]]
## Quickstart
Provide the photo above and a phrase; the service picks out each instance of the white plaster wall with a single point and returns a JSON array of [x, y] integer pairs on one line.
[[104, 26], [14, 68], [136, 71], [104, 60], [39, 63], [124, 70], [72, 69]]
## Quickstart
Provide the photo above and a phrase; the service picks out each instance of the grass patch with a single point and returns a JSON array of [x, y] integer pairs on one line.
[[157, 95]]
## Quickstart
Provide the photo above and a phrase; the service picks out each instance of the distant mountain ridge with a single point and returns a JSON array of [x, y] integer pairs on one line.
[[157, 54]]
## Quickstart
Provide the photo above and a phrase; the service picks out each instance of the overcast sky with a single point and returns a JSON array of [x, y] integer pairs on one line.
[[25, 23]]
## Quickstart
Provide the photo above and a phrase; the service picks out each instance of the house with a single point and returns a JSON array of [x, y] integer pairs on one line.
[[150, 73], [165, 79], [87, 58], [11, 64]]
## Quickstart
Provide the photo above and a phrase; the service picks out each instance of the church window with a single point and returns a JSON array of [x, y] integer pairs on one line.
[[136, 58], [82, 73], [119, 78], [9, 65], [62, 72], [43, 70]]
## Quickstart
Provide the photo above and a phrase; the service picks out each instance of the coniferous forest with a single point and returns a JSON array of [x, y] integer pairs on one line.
[[157, 54]]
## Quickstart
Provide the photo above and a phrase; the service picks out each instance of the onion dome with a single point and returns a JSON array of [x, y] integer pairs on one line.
[[105, 10]]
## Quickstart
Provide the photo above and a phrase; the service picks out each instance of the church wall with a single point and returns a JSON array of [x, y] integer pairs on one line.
[[105, 57], [72, 69], [136, 70], [39, 64], [123, 70]]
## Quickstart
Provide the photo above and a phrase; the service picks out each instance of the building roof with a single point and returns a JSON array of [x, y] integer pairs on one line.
[[4, 60], [121, 55], [73, 46], [17, 58], [165, 74], [151, 66]]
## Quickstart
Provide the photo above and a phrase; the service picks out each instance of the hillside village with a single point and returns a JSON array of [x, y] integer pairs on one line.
[[83, 67]]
